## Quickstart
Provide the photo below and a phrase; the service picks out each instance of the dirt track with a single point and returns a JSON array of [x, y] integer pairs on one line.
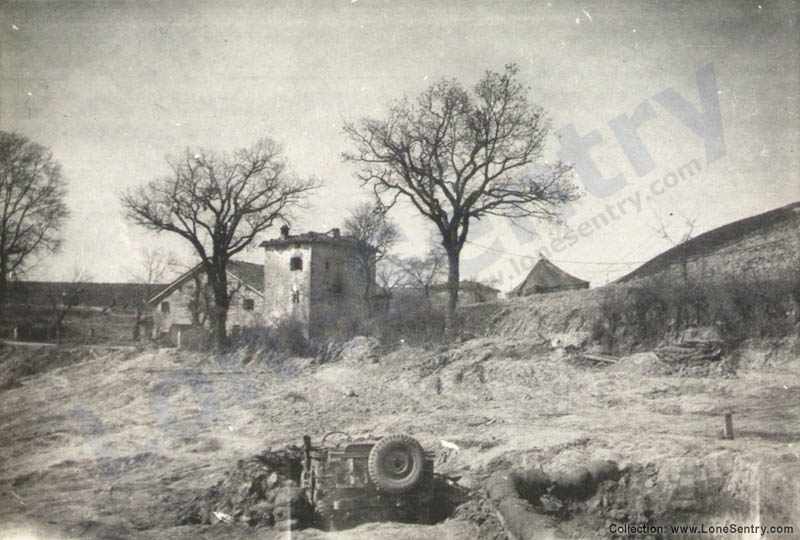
[[111, 446]]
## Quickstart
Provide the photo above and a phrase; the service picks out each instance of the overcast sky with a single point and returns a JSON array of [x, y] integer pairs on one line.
[[112, 87]]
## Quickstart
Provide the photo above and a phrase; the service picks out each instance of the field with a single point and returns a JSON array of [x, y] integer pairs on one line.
[[98, 442]]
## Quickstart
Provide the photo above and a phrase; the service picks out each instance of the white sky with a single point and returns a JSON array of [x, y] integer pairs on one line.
[[112, 87]]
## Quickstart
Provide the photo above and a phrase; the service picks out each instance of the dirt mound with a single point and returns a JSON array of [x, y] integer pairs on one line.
[[497, 368], [524, 498], [358, 350], [262, 490]]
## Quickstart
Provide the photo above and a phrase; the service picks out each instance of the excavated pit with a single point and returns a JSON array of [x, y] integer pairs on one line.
[[263, 491]]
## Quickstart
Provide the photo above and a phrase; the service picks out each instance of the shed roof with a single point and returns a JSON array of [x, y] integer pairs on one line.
[[547, 277]]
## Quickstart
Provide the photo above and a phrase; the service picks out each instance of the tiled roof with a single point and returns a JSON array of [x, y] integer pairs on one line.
[[310, 237], [250, 273]]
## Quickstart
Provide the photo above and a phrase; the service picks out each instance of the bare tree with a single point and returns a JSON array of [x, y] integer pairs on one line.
[[219, 203], [154, 269], [374, 234], [459, 155], [388, 276], [424, 271], [32, 208], [678, 240], [688, 299], [63, 298]]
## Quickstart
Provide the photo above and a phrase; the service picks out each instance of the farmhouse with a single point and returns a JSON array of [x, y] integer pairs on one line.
[[313, 279], [184, 303]]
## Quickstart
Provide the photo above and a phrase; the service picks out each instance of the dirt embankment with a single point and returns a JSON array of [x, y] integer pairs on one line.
[[119, 445]]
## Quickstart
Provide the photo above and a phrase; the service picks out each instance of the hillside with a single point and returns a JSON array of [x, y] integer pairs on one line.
[[117, 296], [758, 247]]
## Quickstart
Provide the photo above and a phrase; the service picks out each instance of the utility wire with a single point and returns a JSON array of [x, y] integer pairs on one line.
[[749, 248], [554, 260]]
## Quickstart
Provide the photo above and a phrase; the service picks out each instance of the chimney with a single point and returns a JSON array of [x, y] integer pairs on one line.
[[336, 232], [285, 231]]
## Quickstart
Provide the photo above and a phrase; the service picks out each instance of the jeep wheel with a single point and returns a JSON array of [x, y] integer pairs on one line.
[[395, 464]]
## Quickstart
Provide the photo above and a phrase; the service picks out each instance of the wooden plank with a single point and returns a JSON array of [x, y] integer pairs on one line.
[[600, 358]]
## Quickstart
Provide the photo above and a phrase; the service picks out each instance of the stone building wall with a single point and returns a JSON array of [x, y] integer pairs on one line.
[[337, 285], [182, 297], [286, 291], [328, 286]]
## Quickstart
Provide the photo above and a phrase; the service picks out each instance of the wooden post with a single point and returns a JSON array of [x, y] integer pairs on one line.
[[728, 433]]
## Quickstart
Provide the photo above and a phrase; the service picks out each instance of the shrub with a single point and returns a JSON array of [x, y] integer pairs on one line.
[[650, 312], [423, 324], [285, 338]]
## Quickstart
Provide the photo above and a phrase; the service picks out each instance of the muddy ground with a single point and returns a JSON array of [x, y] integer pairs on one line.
[[99, 443]]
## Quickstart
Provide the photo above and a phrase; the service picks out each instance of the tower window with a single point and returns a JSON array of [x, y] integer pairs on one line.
[[164, 307], [296, 263], [295, 297], [248, 304]]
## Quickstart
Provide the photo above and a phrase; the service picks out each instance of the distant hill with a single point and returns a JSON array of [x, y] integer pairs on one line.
[[759, 247], [119, 296]]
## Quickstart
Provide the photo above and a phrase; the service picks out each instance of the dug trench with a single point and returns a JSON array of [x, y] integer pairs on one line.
[[720, 496]]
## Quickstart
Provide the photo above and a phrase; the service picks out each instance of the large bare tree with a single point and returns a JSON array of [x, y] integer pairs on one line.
[[32, 208], [374, 234], [458, 155], [219, 203]]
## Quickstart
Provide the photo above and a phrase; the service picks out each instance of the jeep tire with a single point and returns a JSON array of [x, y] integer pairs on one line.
[[396, 463]]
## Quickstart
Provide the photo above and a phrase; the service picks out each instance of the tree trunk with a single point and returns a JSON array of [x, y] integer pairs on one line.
[[136, 326], [368, 294], [219, 311], [453, 256], [3, 286]]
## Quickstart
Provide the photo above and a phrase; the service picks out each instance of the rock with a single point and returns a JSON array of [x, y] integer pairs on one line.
[[272, 480], [569, 340]]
